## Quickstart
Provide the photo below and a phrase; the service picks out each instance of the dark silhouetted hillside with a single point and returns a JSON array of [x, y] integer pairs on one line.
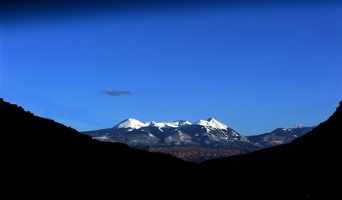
[[307, 167], [41, 158]]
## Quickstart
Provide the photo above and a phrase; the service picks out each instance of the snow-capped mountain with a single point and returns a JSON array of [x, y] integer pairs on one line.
[[207, 134], [131, 124], [279, 136], [204, 133]]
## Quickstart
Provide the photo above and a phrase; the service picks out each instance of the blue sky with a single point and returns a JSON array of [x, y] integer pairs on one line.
[[253, 67]]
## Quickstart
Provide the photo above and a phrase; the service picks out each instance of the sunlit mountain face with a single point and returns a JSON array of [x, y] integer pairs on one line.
[[204, 133], [209, 133]]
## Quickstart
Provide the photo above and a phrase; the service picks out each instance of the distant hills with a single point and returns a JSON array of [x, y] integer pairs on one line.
[[279, 136], [41, 158], [203, 140]]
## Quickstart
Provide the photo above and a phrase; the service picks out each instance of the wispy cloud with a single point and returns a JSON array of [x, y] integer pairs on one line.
[[117, 92]]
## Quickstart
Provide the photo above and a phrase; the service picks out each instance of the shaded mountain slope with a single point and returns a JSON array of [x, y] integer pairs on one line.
[[279, 136], [42, 157], [307, 167]]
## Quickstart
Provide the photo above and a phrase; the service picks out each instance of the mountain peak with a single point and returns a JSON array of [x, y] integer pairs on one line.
[[130, 123], [211, 119], [136, 124], [212, 123], [298, 126]]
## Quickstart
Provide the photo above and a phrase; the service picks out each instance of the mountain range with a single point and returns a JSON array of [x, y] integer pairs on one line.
[[196, 142], [41, 158]]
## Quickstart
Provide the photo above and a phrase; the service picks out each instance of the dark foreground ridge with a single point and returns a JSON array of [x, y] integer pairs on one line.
[[43, 158]]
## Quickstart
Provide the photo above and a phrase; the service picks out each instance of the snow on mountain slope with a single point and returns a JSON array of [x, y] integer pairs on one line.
[[136, 124], [208, 133], [280, 136], [204, 133], [131, 123], [170, 124], [211, 122]]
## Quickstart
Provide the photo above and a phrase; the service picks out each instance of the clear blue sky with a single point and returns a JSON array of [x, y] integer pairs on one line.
[[253, 67]]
